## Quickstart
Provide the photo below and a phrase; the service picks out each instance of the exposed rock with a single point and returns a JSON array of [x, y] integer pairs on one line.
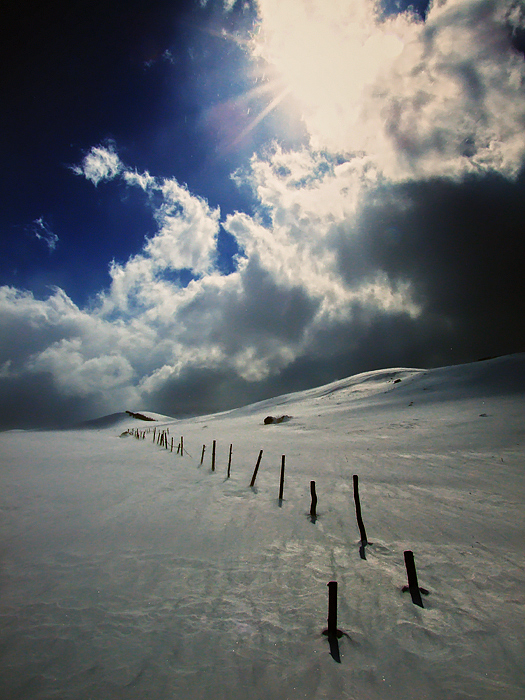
[[276, 419], [140, 416]]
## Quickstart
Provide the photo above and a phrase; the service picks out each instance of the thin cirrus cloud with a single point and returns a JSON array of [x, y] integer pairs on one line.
[[391, 238], [43, 232]]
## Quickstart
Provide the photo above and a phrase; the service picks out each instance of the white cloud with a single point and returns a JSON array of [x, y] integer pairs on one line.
[[186, 238], [309, 197], [78, 375], [444, 97], [143, 180], [101, 163], [188, 230]]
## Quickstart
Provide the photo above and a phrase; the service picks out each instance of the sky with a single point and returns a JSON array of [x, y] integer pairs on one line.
[[208, 203]]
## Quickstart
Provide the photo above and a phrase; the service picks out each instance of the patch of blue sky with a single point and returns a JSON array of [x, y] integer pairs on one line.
[[180, 278], [396, 7], [228, 252]]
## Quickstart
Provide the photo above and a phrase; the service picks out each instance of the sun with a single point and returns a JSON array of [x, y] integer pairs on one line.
[[324, 53]]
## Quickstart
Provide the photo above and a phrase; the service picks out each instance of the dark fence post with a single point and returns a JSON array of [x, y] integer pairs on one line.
[[213, 456], [229, 461], [252, 482], [281, 484], [202, 454], [332, 607], [181, 446], [360, 523], [313, 507], [332, 630], [413, 585]]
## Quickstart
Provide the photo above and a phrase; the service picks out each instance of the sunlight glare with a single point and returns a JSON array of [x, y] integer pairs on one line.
[[326, 54]]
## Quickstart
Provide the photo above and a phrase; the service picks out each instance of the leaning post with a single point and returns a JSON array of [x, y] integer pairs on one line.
[[252, 482]]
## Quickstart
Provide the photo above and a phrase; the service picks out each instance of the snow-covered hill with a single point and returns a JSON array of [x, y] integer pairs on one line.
[[128, 571]]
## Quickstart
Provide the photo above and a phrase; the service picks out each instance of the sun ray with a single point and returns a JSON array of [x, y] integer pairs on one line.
[[258, 119]]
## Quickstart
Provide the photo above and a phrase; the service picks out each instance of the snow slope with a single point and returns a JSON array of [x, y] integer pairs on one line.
[[128, 571]]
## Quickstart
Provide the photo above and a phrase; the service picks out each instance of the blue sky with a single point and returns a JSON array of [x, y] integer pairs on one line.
[[204, 204]]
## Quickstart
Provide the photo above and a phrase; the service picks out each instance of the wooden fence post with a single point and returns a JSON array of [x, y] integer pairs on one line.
[[181, 446], [313, 506], [360, 523], [281, 484], [332, 630], [213, 455], [413, 585], [229, 461], [202, 455], [252, 482]]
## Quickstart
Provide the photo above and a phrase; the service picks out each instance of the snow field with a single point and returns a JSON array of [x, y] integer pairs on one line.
[[131, 572]]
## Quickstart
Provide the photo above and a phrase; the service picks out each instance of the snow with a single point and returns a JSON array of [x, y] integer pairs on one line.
[[128, 571]]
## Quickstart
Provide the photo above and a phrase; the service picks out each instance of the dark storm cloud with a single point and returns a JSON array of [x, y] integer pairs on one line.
[[460, 247], [203, 390], [33, 401], [27, 328], [259, 310]]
